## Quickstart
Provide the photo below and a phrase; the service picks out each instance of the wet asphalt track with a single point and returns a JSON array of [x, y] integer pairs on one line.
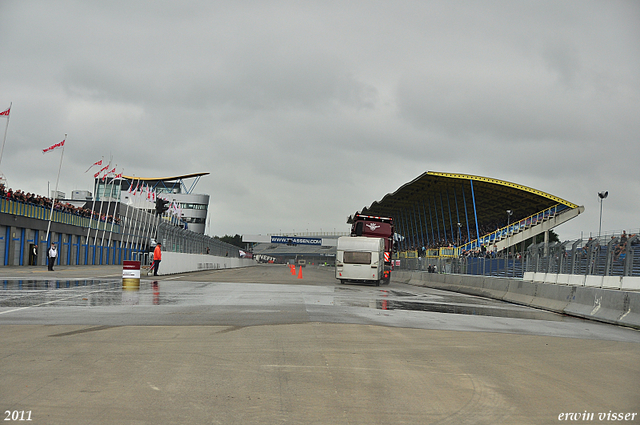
[[260, 345]]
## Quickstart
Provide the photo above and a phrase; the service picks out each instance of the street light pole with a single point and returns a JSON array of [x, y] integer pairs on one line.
[[509, 212], [602, 196]]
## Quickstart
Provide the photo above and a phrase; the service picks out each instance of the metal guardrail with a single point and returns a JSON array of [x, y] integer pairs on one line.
[[616, 255]]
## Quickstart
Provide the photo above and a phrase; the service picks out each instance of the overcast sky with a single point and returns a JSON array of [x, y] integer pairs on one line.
[[306, 111]]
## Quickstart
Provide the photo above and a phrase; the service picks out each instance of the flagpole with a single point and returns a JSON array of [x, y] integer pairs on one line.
[[4, 139], [104, 231], [93, 205], [53, 200], [113, 219], [127, 219], [151, 222], [100, 213], [134, 235]]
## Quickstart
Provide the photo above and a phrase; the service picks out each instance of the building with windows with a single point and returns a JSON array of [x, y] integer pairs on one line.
[[190, 208]]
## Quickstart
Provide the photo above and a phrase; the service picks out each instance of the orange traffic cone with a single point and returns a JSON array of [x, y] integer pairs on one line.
[[300, 272], [293, 269]]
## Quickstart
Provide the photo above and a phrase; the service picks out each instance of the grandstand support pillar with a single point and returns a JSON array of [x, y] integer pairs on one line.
[[546, 243]]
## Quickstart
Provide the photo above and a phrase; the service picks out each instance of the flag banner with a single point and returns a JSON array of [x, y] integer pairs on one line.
[[95, 176], [108, 172], [53, 147], [5, 113], [94, 164]]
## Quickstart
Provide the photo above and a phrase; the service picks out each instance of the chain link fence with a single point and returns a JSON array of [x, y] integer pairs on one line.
[[617, 255]]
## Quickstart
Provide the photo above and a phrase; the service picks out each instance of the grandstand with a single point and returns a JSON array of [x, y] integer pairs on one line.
[[451, 213]]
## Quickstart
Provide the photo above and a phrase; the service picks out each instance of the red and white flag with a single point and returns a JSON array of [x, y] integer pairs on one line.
[[95, 176], [5, 113], [108, 172], [53, 147], [94, 164]]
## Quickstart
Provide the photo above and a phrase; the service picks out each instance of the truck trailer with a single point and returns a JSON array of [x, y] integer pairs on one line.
[[360, 259]]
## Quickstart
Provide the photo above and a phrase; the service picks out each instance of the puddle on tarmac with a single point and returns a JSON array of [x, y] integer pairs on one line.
[[393, 299], [41, 285], [510, 311], [81, 293], [95, 292]]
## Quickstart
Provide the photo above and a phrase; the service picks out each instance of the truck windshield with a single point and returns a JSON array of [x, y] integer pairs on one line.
[[352, 257]]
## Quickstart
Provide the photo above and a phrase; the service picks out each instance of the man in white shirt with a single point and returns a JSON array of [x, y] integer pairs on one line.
[[53, 254]]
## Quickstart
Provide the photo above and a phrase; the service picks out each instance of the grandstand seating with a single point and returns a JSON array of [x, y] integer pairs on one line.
[[523, 229]]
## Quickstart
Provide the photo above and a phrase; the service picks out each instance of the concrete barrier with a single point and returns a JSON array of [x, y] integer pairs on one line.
[[539, 277], [576, 280], [177, 262], [553, 297], [630, 283], [494, 287], [605, 305], [615, 306], [611, 282], [520, 292], [593, 281]]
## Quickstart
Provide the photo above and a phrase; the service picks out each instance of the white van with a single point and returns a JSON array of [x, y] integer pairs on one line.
[[360, 259]]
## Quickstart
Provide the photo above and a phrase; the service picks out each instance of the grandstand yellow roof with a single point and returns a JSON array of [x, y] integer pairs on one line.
[[448, 194]]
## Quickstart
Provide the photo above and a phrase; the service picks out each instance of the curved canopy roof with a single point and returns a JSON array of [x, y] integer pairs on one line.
[[444, 199], [161, 179]]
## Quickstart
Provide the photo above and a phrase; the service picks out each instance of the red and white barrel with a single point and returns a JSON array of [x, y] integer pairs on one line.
[[131, 275]]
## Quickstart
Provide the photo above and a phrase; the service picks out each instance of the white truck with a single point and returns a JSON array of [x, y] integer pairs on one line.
[[360, 259]]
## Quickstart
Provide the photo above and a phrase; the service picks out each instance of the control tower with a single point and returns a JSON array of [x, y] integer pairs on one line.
[[192, 206]]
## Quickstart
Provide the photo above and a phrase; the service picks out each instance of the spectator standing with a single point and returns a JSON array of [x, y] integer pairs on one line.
[[53, 254]]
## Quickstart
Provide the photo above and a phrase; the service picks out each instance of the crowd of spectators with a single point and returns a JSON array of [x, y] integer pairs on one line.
[[33, 199], [452, 241], [620, 250]]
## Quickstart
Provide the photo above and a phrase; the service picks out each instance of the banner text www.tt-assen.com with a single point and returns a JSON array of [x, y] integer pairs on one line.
[[298, 241]]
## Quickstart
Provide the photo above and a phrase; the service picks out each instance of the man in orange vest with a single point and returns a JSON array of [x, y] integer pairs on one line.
[[157, 256]]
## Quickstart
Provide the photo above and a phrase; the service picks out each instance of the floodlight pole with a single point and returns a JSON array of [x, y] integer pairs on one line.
[[602, 196], [509, 212]]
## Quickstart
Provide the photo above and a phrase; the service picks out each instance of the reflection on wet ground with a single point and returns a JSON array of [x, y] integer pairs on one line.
[[451, 303], [40, 285], [63, 293], [100, 293]]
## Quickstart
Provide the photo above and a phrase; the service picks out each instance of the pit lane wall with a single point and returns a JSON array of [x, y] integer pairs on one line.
[[178, 262], [619, 307]]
